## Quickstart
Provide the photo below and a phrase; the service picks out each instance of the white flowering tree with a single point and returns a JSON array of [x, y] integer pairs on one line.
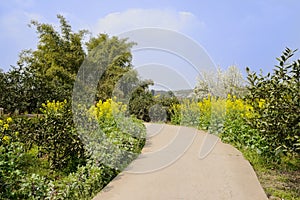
[[220, 84]]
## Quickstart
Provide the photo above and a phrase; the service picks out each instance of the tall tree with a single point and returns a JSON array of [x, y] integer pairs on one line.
[[114, 57], [58, 57], [47, 73]]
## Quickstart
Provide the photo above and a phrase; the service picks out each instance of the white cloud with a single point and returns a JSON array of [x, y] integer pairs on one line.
[[118, 22]]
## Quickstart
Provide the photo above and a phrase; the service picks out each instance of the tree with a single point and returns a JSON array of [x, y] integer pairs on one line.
[[58, 57], [276, 104], [50, 71], [221, 84], [113, 56], [2, 88], [141, 101], [47, 73]]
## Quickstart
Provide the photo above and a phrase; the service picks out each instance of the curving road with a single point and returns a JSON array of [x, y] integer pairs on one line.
[[185, 163]]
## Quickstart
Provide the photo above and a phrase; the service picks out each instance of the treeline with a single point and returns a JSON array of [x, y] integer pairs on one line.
[[46, 156], [49, 72]]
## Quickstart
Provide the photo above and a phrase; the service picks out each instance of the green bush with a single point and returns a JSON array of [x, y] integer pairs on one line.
[[11, 157], [84, 184], [119, 138], [276, 104], [51, 162], [141, 101], [165, 103], [60, 141]]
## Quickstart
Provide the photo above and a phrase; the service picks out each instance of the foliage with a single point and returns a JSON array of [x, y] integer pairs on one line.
[[225, 117], [11, 155], [264, 125], [141, 101], [68, 176], [276, 105], [121, 137], [47, 73], [165, 103], [15, 92], [220, 84], [59, 141], [84, 184], [187, 113], [58, 56], [43, 156], [113, 57]]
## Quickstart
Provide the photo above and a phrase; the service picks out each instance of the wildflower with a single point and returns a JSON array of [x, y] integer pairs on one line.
[[5, 126], [6, 138], [9, 120], [261, 103]]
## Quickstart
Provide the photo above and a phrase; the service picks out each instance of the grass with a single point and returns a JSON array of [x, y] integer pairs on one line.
[[279, 180]]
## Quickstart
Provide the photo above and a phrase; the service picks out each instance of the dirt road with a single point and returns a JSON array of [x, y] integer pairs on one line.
[[184, 163]]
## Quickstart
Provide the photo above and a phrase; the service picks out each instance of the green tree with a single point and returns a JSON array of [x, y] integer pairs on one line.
[[113, 56], [15, 91], [47, 73], [58, 57], [141, 101], [275, 99], [167, 101], [3, 88]]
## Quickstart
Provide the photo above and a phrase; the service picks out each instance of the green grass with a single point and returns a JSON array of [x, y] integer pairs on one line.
[[280, 180]]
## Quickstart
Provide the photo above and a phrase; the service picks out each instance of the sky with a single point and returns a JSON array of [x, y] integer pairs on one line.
[[249, 33]]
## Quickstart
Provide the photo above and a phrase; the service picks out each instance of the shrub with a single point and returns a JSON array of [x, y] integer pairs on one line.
[[186, 113], [69, 177], [11, 155], [119, 138], [276, 105], [59, 140]]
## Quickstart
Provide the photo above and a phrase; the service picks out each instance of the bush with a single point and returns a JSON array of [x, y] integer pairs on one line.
[[226, 117], [141, 101], [276, 104], [65, 174], [186, 113], [119, 138], [60, 141], [11, 156]]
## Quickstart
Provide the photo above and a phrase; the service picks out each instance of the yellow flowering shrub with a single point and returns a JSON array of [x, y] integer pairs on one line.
[[5, 133], [238, 108], [52, 107], [186, 113], [211, 112], [107, 110], [175, 112]]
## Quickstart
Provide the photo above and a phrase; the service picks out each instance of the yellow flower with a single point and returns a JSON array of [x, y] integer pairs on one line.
[[261, 103], [5, 126], [1, 122], [6, 138], [9, 120]]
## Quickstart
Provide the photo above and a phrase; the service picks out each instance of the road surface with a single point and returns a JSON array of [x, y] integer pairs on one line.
[[185, 163]]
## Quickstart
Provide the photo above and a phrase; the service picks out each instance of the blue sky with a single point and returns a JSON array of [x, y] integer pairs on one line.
[[244, 33]]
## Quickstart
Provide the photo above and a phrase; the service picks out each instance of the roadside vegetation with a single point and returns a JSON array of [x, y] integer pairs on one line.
[[43, 155], [262, 120]]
